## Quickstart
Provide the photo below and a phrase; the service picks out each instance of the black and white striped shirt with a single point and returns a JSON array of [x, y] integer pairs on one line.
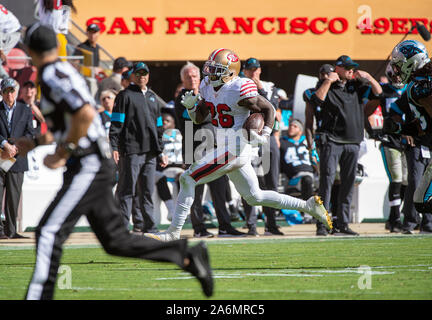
[[64, 91]]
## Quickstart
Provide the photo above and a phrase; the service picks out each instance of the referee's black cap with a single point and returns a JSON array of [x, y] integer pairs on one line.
[[40, 38]]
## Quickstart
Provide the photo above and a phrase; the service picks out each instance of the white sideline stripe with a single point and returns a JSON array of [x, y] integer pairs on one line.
[[227, 290], [403, 266], [312, 291], [228, 276], [350, 271], [234, 241]]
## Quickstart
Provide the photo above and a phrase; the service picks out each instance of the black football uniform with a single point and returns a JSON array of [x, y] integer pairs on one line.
[[294, 156], [389, 96]]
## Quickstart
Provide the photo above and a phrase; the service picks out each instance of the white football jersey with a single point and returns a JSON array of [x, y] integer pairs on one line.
[[8, 22], [223, 104]]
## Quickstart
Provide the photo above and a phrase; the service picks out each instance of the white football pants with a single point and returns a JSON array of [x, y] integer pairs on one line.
[[217, 163]]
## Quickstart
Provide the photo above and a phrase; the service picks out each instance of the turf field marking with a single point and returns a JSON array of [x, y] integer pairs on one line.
[[240, 276], [348, 270], [311, 291], [402, 266]]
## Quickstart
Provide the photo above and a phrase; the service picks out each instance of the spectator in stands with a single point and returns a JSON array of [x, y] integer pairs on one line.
[[107, 98], [190, 76], [16, 122], [28, 96], [172, 148], [125, 79], [171, 103], [90, 45], [252, 70], [136, 139], [9, 36], [340, 98], [295, 161], [57, 15], [114, 81]]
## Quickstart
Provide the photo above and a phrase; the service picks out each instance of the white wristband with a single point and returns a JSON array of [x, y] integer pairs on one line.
[[266, 131], [193, 109]]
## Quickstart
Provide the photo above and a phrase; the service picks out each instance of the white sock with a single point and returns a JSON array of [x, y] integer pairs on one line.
[[277, 200], [171, 207], [185, 200]]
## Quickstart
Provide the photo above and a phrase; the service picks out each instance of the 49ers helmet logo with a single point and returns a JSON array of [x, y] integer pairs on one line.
[[232, 57]]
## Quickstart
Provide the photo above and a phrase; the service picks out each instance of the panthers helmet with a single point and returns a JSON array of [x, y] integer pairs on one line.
[[222, 66], [394, 78], [407, 57]]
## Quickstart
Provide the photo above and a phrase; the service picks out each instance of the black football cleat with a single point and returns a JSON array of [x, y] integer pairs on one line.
[[199, 266]]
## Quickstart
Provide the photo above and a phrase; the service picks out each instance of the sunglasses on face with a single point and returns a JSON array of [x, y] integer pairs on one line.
[[8, 90], [142, 73]]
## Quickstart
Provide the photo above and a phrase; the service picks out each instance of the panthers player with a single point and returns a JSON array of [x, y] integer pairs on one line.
[[229, 100], [392, 147], [411, 62], [295, 160]]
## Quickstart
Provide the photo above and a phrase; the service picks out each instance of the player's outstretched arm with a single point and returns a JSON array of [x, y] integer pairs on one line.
[[202, 112], [195, 106], [260, 104]]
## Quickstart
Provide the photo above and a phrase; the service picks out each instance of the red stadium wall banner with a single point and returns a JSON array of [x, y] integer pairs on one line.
[[277, 30]]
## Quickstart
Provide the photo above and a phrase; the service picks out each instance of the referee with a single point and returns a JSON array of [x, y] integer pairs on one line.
[[88, 180]]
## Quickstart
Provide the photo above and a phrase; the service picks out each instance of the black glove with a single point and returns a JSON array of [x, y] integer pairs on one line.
[[391, 126]]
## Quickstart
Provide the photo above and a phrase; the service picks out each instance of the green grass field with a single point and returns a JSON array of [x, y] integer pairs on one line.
[[258, 269]]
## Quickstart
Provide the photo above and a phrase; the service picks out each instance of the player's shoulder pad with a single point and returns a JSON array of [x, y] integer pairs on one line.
[[420, 88], [246, 88], [307, 94]]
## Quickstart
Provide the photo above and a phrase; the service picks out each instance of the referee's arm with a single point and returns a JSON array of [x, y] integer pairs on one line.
[[80, 122]]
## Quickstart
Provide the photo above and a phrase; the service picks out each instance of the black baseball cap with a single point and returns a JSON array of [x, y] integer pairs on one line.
[[40, 38], [126, 75], [29, 83], [120, 63], [140, 66], [346, 62], [326, 68], [251, 63], [93, 27]]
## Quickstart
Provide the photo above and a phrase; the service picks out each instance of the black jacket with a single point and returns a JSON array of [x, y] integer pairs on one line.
[[21, 126], [136, 122], [342, 111], [182, 117]]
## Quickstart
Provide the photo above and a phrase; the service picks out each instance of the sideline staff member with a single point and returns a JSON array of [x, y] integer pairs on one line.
[[136, 138], [341, 97], [88, 180]]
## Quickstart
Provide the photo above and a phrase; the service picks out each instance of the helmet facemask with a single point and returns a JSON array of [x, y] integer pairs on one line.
[[403, 69], [221, 67], [408, 57], [216, 72], [394, 77]]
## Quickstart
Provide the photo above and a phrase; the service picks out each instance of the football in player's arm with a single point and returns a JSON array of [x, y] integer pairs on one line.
[[198, 111]]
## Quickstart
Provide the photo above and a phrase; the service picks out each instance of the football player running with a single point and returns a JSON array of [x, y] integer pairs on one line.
[[229, 100], [411, 62]]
